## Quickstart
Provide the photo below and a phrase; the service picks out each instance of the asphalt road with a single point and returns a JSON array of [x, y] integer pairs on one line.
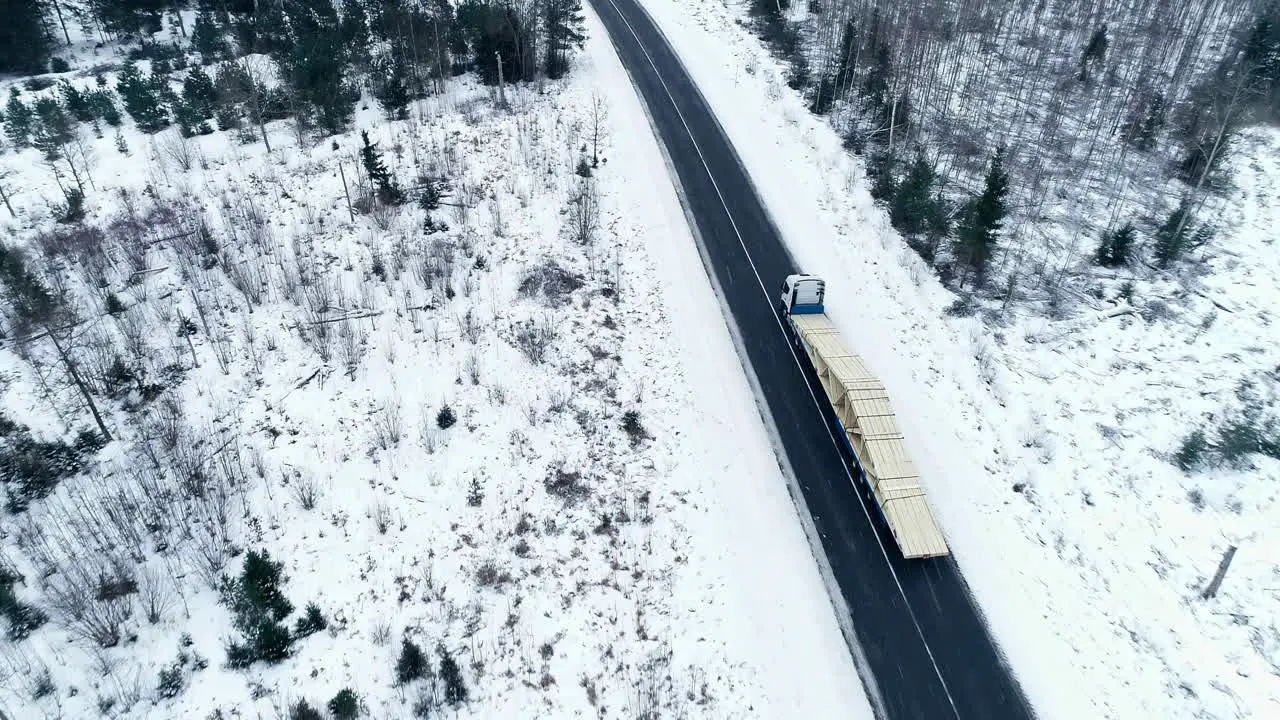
[[919, 636]]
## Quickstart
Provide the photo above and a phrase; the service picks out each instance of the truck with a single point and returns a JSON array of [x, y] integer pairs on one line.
[[865, 418]]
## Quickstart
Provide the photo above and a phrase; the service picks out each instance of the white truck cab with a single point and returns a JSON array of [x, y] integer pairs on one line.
[[802, 295]]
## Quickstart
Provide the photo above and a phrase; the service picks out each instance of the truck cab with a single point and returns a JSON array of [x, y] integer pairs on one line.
[[802, 295]]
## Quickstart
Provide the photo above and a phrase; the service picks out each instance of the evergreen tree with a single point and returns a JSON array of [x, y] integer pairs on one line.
[[1094, 53], [78, 103], [1178, 235], [1117, 246], [142, 99], [392, 90], [24, 44], [345, 705], [209, 37], [882, 168], [315, 64], [918, 209], [258, 592], [53, 131], [17, 122], [1145, 122], [412, 663], [498, 39], [379, 175], [136, 18], [199, 93], [455, 689], [32, 303], [837, 82], [980, 225], [104, 107], [354, 28], [563, 28]]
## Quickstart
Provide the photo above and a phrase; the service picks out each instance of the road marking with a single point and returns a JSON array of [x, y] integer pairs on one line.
[[795, 358]]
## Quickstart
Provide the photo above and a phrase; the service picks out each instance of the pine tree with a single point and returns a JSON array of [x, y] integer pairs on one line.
[[315, 66], [918, 209], [1117, 246], [17, 122], [1178, 235], [1094, 53], [455, 689], [104, 107], [137, 18], [393, 90], [412, 663], [259, 593], [78, 103], [979, 231], [142, 99], [32, 302], [354, 28], [911, 206], [379, 175], [497, 39], [208, 37], [199, 93], [1145, 122], [24, 44], [563, 27], [345, 705], [1261, 52], [53, 130]]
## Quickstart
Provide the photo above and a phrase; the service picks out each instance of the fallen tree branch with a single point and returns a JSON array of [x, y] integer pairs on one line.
[[359, 316]]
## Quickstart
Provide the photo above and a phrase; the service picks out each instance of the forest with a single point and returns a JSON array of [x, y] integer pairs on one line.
[[1022, 147], [323, 54]]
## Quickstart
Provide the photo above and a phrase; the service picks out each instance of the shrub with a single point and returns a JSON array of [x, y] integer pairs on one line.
[[113, 304], [345, 705], [455, 689], [171, 682], [1117, 246], [311, 622], [1179, 235], [475, 496], [43, 686], [58, 65], [272, 642], [73, 210], [302, 710], [1247, 433], [445, 419], [259, 591], [412, 663], [552, 281], [631, 425], [1192, 452], [31, 468], [23, 619], [256, 600]]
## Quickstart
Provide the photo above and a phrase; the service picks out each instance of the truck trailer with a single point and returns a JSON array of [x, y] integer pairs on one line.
[[865, 417]]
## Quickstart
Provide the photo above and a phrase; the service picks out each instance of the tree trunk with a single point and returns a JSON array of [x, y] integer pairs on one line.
[[79, 383], [57, 8], [1218, 577]]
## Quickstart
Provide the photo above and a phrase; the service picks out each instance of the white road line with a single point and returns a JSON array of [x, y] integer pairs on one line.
[[812, 396]]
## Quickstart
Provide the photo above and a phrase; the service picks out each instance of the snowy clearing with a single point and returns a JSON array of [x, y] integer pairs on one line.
[[1045, 445]]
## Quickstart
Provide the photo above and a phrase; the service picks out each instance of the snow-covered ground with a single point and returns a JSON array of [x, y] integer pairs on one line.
[[1045, 446], [666, 572]]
